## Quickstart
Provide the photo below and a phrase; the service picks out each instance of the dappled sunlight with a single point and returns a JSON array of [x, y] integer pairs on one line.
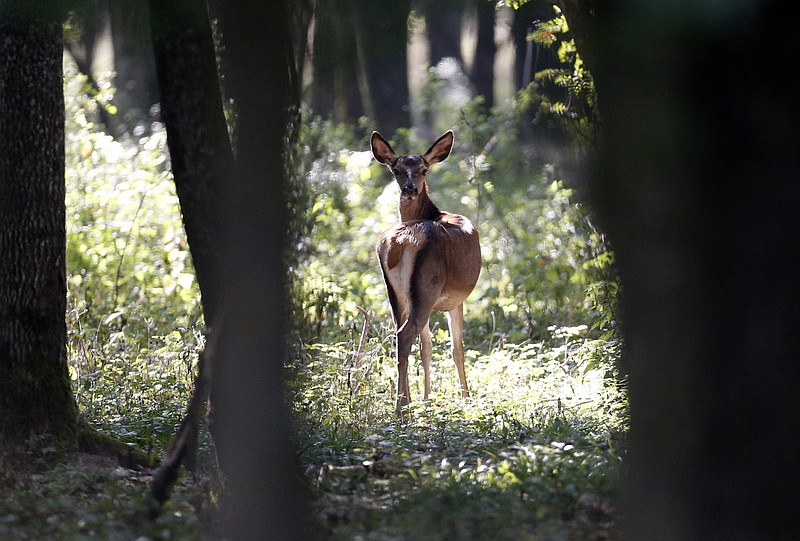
[[537, 433]]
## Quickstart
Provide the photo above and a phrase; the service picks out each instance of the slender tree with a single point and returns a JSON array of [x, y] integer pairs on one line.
[[482, 72], [443, 22], [335, 89], [135, 80], [201, 157], [35, 395], [197, 132], [251, 419]]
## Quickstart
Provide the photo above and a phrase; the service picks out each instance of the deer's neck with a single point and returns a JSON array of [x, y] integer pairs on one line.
[[419, 208]]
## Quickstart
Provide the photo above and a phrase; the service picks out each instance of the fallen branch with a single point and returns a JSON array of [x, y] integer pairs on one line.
[[182, 449]]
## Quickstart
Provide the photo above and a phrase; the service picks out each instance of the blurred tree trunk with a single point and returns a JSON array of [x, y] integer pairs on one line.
[[89, 23], [197, 132], [482, 73], [135, 78], [383, 44], [251, 419], [443, 25], [301, 15], [335, 89], [698, 190], [360, 66], [35, 395]]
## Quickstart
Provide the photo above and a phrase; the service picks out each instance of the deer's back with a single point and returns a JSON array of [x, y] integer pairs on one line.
[[441, 256]]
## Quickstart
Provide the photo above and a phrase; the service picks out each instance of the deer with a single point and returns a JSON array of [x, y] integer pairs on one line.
[[430, 261]]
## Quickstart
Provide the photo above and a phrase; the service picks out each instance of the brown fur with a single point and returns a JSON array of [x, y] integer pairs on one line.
[[430, 261]]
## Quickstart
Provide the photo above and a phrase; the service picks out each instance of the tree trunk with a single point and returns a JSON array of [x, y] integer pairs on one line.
[[384, 39], [90, 22], [699, 194], [335, 90], [482, 73], [251, 422], [197, 133], [35, 395], [443, 24], [135, 74]]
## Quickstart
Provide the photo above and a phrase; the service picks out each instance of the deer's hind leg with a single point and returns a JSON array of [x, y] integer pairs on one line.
[[415, 326], [455, 320], [426, 348]]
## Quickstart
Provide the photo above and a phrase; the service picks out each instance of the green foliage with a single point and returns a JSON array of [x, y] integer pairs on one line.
[[93, 501], [133, 305], [563, 96], [532, 454]]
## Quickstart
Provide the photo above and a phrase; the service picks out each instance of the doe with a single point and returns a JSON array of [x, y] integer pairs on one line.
[[430, 261]]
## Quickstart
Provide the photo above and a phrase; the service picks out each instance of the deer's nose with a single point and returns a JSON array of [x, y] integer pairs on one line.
[[409, 188]]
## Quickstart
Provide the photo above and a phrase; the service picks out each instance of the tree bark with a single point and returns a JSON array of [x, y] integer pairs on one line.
[[443, 24], [335, 90], [201, 158], [197, 133], [35, 395], [135, 74]]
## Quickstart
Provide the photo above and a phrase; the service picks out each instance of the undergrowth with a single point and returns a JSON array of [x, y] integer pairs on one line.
[[534, 453]]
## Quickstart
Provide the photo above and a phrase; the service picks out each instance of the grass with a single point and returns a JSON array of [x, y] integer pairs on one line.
[[91, 499], [533, 454]]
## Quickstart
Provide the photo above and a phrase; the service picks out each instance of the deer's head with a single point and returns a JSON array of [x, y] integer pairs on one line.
[[410, 171]]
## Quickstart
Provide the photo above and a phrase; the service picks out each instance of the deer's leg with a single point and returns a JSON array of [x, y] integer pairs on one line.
[[405, 339], [455, 319], [411, 329], [426, 346]]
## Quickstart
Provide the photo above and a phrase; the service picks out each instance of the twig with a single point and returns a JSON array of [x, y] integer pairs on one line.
[[358, 355], [362, 343]]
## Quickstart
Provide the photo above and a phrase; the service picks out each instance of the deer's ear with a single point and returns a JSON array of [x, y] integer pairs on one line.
[[440, 149], [382, 150]]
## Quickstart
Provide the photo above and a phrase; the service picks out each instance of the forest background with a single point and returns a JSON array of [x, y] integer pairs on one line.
[[536, 453], [540, 327]]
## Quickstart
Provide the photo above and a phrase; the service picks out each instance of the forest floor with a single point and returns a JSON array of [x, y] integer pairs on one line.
[[535, 454]]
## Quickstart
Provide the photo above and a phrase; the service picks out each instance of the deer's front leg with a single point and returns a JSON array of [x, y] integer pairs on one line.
[[405, 338]]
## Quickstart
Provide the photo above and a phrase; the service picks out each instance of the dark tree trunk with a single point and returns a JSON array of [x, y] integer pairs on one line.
[[443, 24], [301, 13], [580, 15], [251, 420], [135, 80], [383, 40], [482, 73], [35, 395], [536, 56], [91, 21], [699, 193], [335, 87], [197, 133]]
